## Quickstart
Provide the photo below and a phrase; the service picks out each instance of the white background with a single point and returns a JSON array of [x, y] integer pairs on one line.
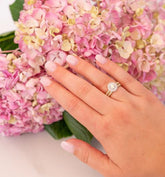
[[35, 155]]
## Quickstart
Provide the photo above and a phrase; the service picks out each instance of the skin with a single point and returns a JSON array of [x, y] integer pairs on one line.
[[129, 124]]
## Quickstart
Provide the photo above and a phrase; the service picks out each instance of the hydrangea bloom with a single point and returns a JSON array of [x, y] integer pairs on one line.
[[24, 105], [128, 32]]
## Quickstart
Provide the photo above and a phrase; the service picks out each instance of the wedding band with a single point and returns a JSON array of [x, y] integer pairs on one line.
[[112, 87]]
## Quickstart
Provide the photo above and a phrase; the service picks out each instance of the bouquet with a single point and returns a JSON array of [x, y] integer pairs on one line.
[[128, 32]]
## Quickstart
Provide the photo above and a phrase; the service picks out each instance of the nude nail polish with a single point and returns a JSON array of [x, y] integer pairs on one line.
[[50, 66], [45, 81], [72, 59], [67, 147], [101, 59]]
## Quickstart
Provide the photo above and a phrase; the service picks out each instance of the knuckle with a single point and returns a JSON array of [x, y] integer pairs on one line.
[[106, 124], [127, 79], [123, 116], [124, 110], [82, 65], [84, 157], [72, 104], [116, 68], [105, 82], [84, 89], [65, 75], [107, 128], [148, 99]]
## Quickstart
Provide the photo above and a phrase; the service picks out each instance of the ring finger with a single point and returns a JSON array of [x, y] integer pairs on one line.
[[96, 77]]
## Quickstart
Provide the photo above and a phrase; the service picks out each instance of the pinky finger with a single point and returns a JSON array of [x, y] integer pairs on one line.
[[76, 107]]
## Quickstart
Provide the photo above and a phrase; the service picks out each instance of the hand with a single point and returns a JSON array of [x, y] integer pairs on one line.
[[130, 124]]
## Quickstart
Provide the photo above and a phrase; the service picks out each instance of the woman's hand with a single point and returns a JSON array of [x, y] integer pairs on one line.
[[130, 124]]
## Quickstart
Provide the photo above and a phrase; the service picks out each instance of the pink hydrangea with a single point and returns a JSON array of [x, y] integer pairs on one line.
[[24, 104], [124, 31], [129, 32]]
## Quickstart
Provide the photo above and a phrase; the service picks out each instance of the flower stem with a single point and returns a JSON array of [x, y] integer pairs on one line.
[[10, 51]]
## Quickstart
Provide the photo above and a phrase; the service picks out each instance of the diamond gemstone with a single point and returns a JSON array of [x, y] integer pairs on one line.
[[112, 87]]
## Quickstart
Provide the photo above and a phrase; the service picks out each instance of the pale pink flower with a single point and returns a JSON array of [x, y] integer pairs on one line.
[[3, 62], [24, 104], [128, 32], [57, 5]]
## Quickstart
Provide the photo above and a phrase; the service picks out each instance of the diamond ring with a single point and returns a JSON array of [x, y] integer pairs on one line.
[[112, 87]]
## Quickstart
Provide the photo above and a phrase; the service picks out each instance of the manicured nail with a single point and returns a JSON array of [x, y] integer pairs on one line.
[[50, 66], [59, 61], [101, 59], [45, 81], [67, 147], [72, 59]]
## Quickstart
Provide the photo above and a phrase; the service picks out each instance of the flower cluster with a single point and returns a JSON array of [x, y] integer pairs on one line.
[[128, 32], [24, 105]]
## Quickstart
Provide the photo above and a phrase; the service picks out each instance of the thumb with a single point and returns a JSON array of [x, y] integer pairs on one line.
[[91, 156]]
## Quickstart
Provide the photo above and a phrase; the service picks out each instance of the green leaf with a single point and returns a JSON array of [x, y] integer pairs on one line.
[[78, 130], [15, 9], [7, 41], [58, 130]]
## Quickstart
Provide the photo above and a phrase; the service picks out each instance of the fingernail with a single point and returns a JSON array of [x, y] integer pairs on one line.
[[72, 59], [45, 81], [59, 61], [101, 59], [67, 147], [50, 66]]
